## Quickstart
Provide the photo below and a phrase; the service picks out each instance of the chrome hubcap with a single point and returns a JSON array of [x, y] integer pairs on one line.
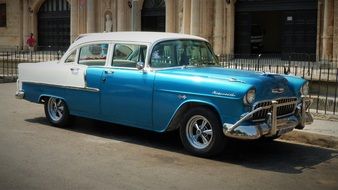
[[56, 109], [199, 132]]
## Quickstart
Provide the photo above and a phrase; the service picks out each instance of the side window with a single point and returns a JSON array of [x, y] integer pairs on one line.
[[127, 55], [93, 54], [71, 57]]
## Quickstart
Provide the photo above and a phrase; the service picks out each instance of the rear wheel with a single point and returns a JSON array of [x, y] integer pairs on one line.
[[57, 112], [201, 132]]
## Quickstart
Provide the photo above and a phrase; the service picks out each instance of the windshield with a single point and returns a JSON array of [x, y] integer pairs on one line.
[[182, 53]]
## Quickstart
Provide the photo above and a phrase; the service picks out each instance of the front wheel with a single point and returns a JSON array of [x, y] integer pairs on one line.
[[57, 112], [201, 132]]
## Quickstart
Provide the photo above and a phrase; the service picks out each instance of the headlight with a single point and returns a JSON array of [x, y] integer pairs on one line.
[[250, 96], [305, 89]]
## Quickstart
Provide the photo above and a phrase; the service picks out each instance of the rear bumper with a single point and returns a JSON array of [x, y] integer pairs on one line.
[[19, 95], [272, 125]]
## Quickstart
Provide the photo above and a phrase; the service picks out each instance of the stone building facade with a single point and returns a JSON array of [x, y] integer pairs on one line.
[[215, 20]]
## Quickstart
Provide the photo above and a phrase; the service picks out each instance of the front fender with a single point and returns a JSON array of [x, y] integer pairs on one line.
[[168, 105]]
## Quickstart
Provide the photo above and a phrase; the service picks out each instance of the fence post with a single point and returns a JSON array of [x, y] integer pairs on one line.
[[259, 57], [289, 67], [335, 93], [308, 64], [50, 52], [7, 64], [320, 84], [3, 66], [58, 53]]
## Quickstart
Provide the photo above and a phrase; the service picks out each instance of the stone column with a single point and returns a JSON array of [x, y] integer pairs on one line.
[[319, 44], [74, 11], [209, 20], [90, 16], [170, 15], [230, 34], [136, 16], [34, 29], [25, 18], [206, 22], [335, 33], [328, 30], [121, 17], [218, 26], [195, 17], [186, 16]]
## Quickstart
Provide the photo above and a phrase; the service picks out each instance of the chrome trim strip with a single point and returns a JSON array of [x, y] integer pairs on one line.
[[88, 89]]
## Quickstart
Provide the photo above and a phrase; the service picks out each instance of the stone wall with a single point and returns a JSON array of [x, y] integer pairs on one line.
[[215, 21], [10, 36]]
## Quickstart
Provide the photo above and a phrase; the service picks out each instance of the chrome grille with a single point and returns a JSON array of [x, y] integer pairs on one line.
[[285, 106]]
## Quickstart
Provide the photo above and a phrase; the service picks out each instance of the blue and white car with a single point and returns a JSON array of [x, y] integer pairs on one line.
[[164, 82]]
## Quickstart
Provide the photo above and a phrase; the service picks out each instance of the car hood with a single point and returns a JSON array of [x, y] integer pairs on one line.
[[267, 85]]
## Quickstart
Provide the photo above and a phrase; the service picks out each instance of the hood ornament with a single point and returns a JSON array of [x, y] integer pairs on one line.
[[235, 80], [277, 90]]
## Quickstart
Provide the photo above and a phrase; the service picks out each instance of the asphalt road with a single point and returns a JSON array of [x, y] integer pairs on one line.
[[98, 155]]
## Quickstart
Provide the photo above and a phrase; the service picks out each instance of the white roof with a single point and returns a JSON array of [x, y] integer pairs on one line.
[[144, 37]]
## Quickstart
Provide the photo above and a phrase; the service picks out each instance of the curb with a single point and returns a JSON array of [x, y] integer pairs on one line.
[[325, 141]]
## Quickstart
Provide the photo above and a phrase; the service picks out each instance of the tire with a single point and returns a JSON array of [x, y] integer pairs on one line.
[[269, 139], [57, 112], [201, 132], [300, 126]]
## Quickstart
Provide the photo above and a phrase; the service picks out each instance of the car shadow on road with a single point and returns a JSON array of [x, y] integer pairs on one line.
[[277, 156]]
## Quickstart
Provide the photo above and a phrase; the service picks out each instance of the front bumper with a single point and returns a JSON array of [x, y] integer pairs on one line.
[[273, 125]]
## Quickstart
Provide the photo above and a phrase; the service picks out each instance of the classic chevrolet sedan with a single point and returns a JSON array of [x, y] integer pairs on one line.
[[163, 82]]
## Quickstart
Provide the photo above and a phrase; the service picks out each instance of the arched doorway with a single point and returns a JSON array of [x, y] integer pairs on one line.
[[153, 15], [54, 25]]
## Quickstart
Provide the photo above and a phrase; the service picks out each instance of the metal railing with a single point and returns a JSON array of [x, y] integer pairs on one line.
[[322, 74], [10, 59]]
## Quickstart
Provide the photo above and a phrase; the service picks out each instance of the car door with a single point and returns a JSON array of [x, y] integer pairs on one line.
[[127, 92], [84, 74], [74, 72]]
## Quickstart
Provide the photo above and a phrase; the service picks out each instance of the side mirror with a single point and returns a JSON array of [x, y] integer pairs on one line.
[[140, 65]]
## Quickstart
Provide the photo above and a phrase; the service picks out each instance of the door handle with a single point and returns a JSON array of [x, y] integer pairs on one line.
[[74, 69], [108, 71]]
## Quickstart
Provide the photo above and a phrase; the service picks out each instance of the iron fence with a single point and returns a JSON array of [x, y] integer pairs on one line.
[[10, 59], [322, 74]]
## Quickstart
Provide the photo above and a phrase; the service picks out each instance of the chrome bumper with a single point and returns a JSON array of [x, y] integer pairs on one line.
[[272, 125], [19, 95]]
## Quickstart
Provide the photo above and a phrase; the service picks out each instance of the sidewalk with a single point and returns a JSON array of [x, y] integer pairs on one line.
[[323, 127], [322, 133]]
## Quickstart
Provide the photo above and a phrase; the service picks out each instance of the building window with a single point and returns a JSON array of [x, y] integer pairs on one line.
[[3, 15]]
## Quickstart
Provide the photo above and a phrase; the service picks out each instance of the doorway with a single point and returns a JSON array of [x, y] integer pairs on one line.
[[54, 25], [153, 16]]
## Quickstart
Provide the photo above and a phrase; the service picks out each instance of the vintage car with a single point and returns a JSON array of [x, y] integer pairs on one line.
[[164, 82]]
